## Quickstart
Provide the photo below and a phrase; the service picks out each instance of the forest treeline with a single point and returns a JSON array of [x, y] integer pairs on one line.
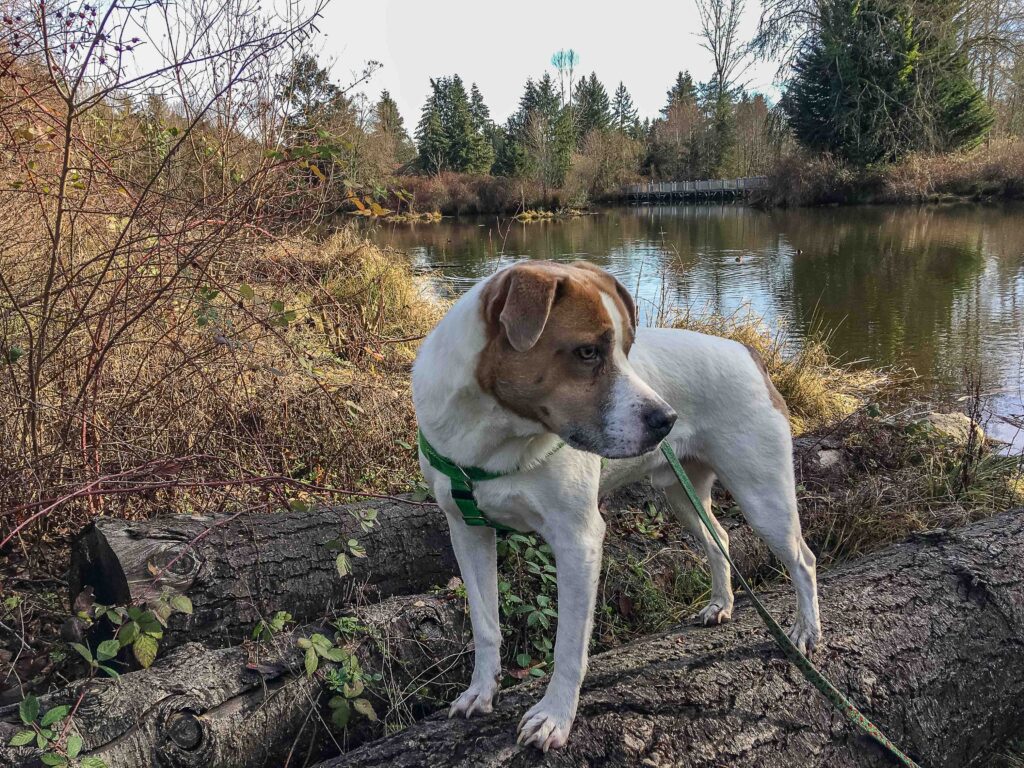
[[865, 85]]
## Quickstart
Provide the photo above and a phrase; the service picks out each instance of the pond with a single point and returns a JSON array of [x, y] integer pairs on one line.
[[938, 289]]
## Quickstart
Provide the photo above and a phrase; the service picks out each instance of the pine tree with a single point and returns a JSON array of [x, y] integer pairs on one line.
[[875, 83], [386, 117], [682, 93], [591, 107], [430, 134], [624, 114]]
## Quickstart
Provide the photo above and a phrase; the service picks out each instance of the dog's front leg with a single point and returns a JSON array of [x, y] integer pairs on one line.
[[478, 561], [577, 551]]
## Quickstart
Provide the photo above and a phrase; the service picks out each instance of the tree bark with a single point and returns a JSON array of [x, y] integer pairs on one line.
[[926, 637], [239, 570], [253, 705]]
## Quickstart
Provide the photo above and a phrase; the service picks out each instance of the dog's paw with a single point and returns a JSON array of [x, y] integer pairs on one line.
[[477, 699], [806, 635], [718, 611], [545, 727]]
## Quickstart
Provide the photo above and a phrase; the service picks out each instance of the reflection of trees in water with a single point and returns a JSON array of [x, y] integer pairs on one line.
[[902, 285], [935, 288]]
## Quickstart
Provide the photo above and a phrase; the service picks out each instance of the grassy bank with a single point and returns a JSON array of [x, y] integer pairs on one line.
[[993, 171], [455, 194]]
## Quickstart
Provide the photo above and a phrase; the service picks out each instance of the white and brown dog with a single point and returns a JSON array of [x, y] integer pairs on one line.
[[542, 352]]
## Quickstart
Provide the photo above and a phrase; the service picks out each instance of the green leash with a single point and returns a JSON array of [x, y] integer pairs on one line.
[[809, 671], [462, 479]]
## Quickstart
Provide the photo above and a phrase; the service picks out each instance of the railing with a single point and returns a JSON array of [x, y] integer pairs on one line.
[[702, 188]]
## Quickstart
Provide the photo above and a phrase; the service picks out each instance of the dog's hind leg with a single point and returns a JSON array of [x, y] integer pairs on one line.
[[719, 608], [476, 551], [759, 475]]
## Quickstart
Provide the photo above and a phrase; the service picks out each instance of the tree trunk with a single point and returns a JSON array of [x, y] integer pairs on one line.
[[926, 637], [237, 570], [253, 705]]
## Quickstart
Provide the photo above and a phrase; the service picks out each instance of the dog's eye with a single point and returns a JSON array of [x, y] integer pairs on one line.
[[588, 353]]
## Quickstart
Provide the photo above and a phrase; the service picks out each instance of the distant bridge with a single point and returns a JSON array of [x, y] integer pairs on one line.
[[706, 189]]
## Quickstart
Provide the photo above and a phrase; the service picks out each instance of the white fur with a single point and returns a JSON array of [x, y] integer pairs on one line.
[[727, 427]]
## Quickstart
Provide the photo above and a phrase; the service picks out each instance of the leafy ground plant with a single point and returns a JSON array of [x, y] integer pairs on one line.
[[53, 733]]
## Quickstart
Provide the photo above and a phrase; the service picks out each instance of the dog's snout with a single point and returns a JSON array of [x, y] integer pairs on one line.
[[659, 420]]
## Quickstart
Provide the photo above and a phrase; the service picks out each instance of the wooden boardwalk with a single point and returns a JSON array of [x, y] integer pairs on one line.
[[706, 189]]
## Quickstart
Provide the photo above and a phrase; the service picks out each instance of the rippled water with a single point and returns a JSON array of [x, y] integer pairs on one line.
[[936, 289]]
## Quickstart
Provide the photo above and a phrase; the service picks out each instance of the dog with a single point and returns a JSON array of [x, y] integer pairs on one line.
[[542, 353]]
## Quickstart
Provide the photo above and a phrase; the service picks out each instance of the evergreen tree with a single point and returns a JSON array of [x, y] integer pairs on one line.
[[591, 107], [309, 95], [386, 117], [875, 84], [682, 93], [624, 114], [451, 133], [431, 140], [387, 122], [548, 102]]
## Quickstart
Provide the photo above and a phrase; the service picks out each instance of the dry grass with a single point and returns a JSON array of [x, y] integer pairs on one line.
[[288, 358], [818, 390], [464, 193], [994, 170]]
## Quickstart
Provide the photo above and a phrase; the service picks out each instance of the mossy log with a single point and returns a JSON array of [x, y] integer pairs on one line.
[[926, 637], [253, 705], [239, 569]]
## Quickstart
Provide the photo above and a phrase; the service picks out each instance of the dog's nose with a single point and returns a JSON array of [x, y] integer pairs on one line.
[[659, 420]]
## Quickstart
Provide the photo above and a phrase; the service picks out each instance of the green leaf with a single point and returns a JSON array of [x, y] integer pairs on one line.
[[182, 604], [365, 708], [342, 564], [356, 548], [108, 649], [341, 714], [312, 661], [536, 672], [336, 701], [353, 689], [51, 758], [303, 642], [320, 641], [28, 710], [128, 634], [14, 354], [21, 738], [74, 746], [112, 672], [523, 660], [53, 715], [84, 651], [145, 648], [246, 292], [333, 654], [91, 762]]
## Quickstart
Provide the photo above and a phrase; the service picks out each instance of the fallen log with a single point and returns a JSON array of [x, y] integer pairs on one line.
[[239, 569], [925, 636], [254, 705]]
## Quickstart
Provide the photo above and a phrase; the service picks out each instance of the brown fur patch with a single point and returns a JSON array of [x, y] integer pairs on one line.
[[777, 399], [538, 315]]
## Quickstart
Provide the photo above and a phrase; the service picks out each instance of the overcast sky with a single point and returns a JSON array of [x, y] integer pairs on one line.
[[643, 45]]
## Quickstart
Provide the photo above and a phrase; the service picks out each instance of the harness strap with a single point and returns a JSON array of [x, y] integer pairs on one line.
[[809, 671], [462, 479]]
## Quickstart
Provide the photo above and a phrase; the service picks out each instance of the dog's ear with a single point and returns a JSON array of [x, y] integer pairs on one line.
[[520, 299]]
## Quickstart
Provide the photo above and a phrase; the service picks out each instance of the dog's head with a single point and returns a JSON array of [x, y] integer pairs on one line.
[[558, 336]]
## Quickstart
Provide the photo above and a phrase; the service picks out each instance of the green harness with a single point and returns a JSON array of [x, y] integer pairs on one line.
[[462, 479]]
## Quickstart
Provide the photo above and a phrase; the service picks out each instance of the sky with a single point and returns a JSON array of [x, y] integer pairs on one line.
[[500, 46]]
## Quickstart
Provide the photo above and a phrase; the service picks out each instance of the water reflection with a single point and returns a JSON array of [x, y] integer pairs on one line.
[[938, 289]]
